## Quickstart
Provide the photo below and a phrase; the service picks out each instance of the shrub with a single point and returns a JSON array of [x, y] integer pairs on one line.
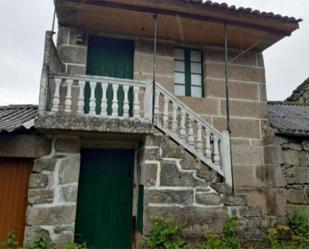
[[230, 239], [212, 241], [164, 235], [300, 223]]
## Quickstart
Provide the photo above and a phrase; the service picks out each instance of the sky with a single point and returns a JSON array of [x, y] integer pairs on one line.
[[23, 24]]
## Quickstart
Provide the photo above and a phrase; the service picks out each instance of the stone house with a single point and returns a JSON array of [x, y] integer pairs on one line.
[[135, 120]]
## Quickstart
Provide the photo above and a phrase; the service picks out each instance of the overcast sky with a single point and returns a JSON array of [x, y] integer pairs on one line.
[[23, 24]]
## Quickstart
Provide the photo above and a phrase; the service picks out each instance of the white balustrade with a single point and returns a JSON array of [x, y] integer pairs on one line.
[[111, 99], [190, 130], [104, 99], [81, 98], [68, 98]]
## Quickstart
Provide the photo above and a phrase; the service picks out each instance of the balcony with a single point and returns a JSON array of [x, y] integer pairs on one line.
[[91, 103]]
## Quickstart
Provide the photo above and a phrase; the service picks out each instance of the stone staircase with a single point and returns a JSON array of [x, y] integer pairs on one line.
[[193, 134]]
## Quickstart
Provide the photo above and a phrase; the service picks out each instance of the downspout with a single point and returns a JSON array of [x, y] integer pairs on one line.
[[227, 100], [155, 27]]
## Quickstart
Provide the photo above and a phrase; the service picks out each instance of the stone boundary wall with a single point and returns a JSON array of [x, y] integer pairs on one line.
[[287, 160], [52, 193]]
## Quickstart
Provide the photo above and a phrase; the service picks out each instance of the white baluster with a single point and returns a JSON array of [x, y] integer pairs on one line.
[[92, 103], [126, 106], [81, 98], [190, 133], [216, 151], [157, 107], [182, 132], [174, 121], [68, 97], [104, 99], [56, 97], [136, 105], [208, 146], [199, 140], [165, 112], [115, 105]]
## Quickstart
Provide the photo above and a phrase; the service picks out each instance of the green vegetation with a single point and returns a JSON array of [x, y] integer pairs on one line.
[[166, 235], [40, 242]]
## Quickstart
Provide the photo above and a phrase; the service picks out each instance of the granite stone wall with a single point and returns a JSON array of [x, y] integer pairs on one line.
[[52, 193], [287, 161]]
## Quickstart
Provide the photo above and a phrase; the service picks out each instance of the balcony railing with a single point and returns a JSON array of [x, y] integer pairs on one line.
[[101, 97]]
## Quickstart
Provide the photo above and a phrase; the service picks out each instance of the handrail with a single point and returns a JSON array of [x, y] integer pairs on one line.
[[189, 110], [102, 79]]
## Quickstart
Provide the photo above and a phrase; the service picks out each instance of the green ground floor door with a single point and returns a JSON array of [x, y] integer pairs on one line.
[[104, 206]]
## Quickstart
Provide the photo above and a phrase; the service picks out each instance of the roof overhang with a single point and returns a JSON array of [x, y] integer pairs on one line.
[[183, 21]]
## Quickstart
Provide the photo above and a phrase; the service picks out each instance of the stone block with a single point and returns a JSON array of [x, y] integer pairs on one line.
[[63, 239], [191, 217], [24, 146], [171, 176], [217, 55], [248, 176], [182, 197], [245, 109], [263, 92], [233, 200], [40, 196], [42, 164], [73, 69], [298, 175], [208, 199], [304, 158], [33, 232], [55, 215], [298, 195], [152, 154], [305, 145], [202, 106], [73, 54], [248, 155], [276, 201], [273, 155], [69, 193], [291, 157], [292, 146], [236, 73], [69, 169], [67, 145], [151, 174], [216, 88], [243, 128], [62, 35], [38, 181], [275, 176]]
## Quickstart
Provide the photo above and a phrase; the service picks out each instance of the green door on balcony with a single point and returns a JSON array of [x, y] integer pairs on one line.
[[104, 205], [112, 58]]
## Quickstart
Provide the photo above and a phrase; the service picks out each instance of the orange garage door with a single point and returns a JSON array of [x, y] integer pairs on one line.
[[14, 178]]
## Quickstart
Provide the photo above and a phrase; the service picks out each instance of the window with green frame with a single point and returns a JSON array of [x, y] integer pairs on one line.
[[188, 73]]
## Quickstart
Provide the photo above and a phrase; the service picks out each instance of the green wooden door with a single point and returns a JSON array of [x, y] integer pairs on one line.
[[104, 206], [112, 58]]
